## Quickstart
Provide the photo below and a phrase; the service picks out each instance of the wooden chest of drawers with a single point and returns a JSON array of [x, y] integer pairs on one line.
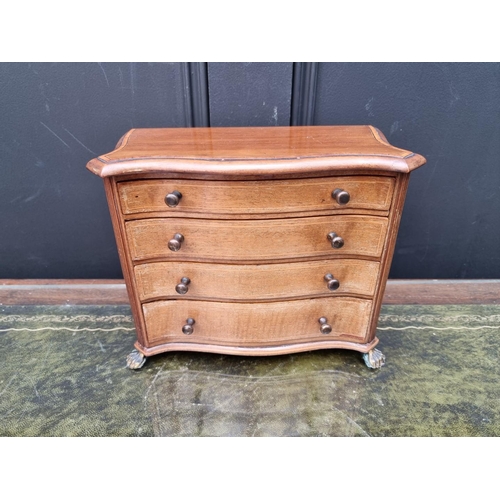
[[256, 241]]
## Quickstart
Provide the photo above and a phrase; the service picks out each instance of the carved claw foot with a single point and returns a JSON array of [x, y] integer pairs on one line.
[[374, 359], [135, 360]]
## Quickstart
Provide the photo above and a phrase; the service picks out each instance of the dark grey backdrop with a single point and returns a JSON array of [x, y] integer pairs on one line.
[[55, 117]]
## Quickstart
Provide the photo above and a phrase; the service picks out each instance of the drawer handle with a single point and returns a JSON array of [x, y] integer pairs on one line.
[[175, 243], [182, 287], [188, 329], [340, 196], [172, 199], [336, 240], [331, 282], [325, 328]]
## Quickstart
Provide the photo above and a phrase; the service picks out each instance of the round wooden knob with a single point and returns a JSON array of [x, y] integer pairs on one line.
[[182, 287], [172, 199], [331, 282], [188, 329], [340, 196], [336, 240], [325, 328], [175, 243]]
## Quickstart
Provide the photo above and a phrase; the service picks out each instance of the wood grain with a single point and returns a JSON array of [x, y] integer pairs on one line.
[[442, 292], [63, 292], [244, 324], [202, 199], [254, 151], [256, 282], [256, 241]]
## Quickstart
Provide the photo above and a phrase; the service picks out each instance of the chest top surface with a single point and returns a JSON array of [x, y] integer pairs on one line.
[[254, 151]]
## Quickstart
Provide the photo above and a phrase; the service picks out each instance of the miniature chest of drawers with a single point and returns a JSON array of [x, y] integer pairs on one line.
[[255, 241]]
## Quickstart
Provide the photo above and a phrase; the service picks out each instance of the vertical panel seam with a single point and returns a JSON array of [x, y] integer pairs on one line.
[[195, 82], [304, 85]]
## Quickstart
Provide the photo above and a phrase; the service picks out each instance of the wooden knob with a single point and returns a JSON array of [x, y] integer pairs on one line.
[[325, 328], [336, 240], [340, 196], [331, 282], [188, 329], [172, 199], [182, 287], [175, 243]]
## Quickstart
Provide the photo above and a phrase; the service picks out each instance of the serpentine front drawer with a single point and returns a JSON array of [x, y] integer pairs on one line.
[[236, 325], [257, 240], [256, 282], [246, 198]]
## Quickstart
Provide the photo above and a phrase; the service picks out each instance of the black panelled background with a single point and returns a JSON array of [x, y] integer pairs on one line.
[[55, 117]]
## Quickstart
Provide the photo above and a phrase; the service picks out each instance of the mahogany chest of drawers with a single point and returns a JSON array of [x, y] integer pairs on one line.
[[255, 241]]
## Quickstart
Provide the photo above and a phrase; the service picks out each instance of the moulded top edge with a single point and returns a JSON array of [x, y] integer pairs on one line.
[[254, 150]]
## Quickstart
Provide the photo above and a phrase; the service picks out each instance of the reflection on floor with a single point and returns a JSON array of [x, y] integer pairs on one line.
[[63, 374]]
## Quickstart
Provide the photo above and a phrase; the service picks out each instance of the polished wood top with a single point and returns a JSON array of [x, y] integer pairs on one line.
[[254, 151]]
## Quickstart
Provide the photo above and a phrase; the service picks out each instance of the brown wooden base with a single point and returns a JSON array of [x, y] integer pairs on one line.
[[256, 351]]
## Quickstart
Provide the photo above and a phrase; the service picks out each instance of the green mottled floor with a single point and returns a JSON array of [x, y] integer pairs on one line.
[[62, 373]]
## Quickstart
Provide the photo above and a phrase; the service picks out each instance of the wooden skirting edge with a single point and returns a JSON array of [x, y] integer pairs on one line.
[[65, 292], [75, 292]]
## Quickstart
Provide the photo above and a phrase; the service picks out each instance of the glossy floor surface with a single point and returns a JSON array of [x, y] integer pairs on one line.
[[62, 373]]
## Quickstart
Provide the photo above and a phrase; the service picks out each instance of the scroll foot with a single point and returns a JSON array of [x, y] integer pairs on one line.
[[374, 359], [135, 360]]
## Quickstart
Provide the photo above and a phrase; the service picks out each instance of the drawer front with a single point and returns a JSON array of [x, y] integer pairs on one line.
[[246, 324], [256, 282], [257, 240], [255, 197]]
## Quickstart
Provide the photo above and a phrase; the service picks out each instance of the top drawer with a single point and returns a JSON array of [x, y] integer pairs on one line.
[[209, 198]]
